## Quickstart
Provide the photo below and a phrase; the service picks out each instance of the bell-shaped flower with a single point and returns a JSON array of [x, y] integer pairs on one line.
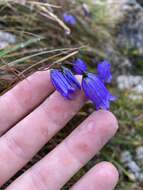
[[104, 73], [79, 66], [69, 19], [96, 91], [64, 82]]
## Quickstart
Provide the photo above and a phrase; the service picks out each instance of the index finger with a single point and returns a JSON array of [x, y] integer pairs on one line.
[[23, 98]]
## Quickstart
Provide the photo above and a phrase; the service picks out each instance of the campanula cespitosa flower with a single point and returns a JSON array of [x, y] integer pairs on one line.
[[64, 82], [79, 66], [96, 91], [93, 85], [69, 19], [104, 73]]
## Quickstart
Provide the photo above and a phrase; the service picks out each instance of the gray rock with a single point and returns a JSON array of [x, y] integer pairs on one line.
[[139, 153], [126, 157], [131, 31], [135, 169], [6, 38], [126, 17], [132, 83]]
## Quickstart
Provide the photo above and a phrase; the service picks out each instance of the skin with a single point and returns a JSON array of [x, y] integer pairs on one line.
[[31, 114]]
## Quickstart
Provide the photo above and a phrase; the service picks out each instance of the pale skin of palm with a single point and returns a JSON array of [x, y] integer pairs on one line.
[[31, 113]]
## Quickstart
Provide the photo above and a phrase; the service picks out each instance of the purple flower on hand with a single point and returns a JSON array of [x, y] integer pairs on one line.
[[104, 73], [69, 19], [79, 66], [64, 82], [71, 78], [96, 91]]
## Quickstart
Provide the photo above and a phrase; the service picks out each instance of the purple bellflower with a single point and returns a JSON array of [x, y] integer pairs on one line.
[[71, 78], [104, 73], [79, 66], [69, 19], [64, 82], [96, 91]]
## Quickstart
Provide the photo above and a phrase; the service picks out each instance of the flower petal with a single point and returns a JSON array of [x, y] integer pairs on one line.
[[64, 82], [71, 78], [61, 84], [103, 70], [69, 19], [96, 91], [79, 66]]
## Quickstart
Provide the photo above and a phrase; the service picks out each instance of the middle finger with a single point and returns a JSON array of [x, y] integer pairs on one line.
[[24, 140]]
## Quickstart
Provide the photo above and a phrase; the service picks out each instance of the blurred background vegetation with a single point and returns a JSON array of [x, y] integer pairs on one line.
[[34, 37]]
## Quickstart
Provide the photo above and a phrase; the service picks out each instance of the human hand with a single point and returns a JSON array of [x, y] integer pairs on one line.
[[29, 118]]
